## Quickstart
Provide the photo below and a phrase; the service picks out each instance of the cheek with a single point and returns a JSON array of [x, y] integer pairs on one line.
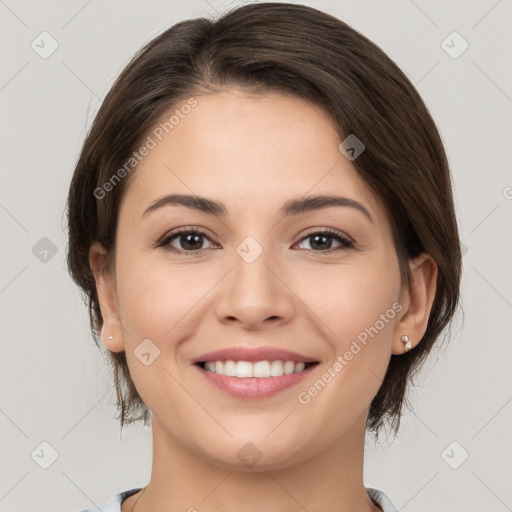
[[359, 312], [368, 306], [155, 299], [155, 304], [348, 299], [358, 305]]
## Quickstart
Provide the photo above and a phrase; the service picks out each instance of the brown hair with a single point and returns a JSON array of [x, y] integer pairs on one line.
[[295, 50]]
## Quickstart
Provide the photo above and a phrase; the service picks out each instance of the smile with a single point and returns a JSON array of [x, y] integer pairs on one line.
[[258, 369], [254, 380]]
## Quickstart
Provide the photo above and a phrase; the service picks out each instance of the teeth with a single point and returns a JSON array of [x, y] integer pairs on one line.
[[243, 369], [259, 369], [229, 368]]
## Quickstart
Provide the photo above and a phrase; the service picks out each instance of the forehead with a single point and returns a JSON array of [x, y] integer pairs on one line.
[[248, 151]]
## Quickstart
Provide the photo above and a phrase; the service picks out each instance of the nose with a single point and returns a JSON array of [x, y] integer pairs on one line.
[[255, 295]]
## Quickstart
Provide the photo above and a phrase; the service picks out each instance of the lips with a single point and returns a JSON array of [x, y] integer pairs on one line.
[[270, 373], [253, 355]]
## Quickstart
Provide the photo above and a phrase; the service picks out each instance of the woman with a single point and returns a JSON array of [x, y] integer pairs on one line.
[[262, 220]]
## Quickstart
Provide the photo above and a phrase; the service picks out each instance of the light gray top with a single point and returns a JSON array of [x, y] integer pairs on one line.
[[114, 505]]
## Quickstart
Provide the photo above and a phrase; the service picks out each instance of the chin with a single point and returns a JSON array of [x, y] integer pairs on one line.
[[257, 455]]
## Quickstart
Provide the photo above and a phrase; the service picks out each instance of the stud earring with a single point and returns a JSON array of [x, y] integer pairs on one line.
[[407, 343], [111, 337]]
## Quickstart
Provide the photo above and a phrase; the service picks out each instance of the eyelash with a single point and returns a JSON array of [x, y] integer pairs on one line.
[[331, 233]]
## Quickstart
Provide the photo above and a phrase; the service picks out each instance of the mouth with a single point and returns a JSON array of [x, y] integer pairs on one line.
[[254, 379], [253, 372], [258, 369]]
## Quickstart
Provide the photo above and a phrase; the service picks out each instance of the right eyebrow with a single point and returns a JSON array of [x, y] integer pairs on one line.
[[201, 204]]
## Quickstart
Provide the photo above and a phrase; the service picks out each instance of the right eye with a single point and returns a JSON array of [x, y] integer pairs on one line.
[[185, 241]]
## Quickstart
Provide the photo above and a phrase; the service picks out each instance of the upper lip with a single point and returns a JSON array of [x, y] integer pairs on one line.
[[253, 354]]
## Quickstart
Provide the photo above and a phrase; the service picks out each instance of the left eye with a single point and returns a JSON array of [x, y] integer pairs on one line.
[[323, 240]]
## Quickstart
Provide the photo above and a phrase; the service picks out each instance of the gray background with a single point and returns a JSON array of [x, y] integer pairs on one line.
[[54, 385]]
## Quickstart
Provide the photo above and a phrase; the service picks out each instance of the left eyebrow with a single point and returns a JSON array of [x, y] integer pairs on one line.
[[292, 207], [298, 206]]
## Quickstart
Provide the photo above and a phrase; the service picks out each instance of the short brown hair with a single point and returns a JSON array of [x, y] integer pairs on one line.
[[298, 50]]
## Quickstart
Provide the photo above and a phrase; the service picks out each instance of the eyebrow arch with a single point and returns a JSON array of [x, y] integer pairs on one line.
[[292, 207]]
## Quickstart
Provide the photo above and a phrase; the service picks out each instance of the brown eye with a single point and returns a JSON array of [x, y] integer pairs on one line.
[[185, 241], [321, 241]]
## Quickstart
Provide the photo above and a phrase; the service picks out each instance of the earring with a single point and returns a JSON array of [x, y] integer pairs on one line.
[[111, 337], [407, 343]]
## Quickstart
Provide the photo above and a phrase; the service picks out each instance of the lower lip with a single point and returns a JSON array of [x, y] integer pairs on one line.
[[253, 387]]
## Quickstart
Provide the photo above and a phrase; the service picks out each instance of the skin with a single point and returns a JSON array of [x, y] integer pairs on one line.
[[254, 153]]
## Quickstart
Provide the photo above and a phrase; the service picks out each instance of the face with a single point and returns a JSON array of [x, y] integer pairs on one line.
[[258, 277]]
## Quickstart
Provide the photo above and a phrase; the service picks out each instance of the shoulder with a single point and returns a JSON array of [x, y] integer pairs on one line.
[[114, 505], [380, 498]]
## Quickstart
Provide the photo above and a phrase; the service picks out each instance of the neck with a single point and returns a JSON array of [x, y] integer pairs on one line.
[[331, 481]]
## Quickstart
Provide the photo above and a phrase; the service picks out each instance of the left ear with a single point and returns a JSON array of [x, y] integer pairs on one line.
[[416, 299]]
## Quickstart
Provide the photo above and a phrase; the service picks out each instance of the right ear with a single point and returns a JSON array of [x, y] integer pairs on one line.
[[106, 291]]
